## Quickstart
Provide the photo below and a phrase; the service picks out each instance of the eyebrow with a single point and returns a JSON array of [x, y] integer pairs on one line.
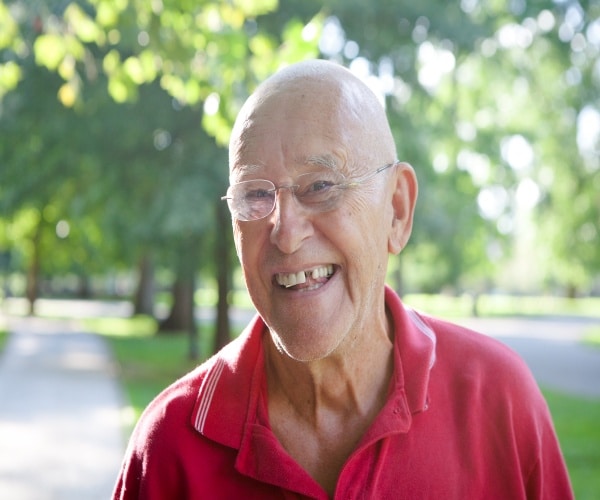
[[246, 169], [326, 161]]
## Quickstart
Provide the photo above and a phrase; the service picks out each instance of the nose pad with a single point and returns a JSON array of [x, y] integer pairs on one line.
[[292, 191], [291, 188]]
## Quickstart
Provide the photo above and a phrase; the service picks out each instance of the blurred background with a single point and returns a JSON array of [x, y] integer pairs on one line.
[[115, 116], [114, 122]]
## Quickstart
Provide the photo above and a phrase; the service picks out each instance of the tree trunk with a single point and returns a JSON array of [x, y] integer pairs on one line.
[[143, 302], [222, 326], [475, 304], [33, 273], [84, 289], [181, 316]]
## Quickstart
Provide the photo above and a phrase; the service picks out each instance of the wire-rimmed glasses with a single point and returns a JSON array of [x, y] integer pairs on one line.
[[315, 191]]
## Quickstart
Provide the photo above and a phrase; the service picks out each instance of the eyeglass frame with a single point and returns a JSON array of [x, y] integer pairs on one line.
[[293, 187]]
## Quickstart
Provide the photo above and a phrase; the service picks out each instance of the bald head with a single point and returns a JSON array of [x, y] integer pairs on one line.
[[317, 94]]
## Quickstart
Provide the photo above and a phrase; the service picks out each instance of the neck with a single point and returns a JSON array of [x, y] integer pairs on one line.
[[352, 381], [320, 410]]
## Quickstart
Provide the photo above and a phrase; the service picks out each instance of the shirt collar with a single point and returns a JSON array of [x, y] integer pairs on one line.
[[230, 389]]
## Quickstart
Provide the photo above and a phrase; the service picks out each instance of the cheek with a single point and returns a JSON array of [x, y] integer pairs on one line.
[[369, 224], [249, 245], [358, 203], [242, 240], [237, 240], [367, 215]]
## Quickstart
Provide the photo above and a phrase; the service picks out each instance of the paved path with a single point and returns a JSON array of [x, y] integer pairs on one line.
[[552, 348], [60, 428]]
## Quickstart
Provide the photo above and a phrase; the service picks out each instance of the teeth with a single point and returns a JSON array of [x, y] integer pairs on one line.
[[292, 279], [322, 272]]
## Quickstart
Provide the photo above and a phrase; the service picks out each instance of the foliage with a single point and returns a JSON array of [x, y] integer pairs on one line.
[[114, 115], [485, 99], [114, 126]]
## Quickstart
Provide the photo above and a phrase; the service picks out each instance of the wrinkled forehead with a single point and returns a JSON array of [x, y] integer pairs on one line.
[[325, 162], [300, 126], [306, 111]]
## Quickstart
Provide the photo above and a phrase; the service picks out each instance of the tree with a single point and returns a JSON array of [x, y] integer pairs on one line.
[[170, 70], [484, 98]]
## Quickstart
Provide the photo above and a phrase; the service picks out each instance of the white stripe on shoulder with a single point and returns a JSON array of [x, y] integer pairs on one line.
[[207, 391], [425, 329]]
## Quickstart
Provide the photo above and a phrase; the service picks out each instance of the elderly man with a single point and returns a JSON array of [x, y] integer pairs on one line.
[[336, 389]]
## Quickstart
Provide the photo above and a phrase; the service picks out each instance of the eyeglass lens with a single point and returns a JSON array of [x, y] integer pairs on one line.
[[255, 199], [316, 191]]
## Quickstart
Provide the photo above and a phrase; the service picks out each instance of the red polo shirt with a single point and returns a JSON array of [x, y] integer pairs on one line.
[[464, 419]]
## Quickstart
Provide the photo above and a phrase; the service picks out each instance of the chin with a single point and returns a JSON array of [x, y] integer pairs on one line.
[[303, 348]]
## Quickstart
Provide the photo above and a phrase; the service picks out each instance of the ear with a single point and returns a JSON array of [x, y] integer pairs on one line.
[[404, 199]]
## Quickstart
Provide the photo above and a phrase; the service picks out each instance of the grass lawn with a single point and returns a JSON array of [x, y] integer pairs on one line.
[[3, 337], [498, 305], [576, 421], [592, 337], [148, 363]]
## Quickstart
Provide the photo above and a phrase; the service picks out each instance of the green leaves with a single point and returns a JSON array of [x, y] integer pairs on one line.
[[9, 30], [10, 75], [50, 50], [83, 26], [141, 96]]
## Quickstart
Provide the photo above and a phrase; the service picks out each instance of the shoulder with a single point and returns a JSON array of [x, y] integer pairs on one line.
[[478, 360], [174, 404], [475, 375], [150, 462], [456, 341], [483, 398], [212, 392]]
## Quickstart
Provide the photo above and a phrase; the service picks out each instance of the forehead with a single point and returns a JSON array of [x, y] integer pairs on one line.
[[294, 131], [299, 165]]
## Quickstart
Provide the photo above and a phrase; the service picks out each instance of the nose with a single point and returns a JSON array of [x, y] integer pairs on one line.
[[291, 224]]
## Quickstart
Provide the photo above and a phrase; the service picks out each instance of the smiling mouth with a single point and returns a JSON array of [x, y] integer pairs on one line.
[[305, 279]]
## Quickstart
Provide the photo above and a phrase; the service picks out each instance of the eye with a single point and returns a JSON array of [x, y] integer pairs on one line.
[[258, 194], [254, 191], [316, 191], [318, 186]]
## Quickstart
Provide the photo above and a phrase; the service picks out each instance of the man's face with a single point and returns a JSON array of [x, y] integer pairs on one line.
[[341, 254]]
